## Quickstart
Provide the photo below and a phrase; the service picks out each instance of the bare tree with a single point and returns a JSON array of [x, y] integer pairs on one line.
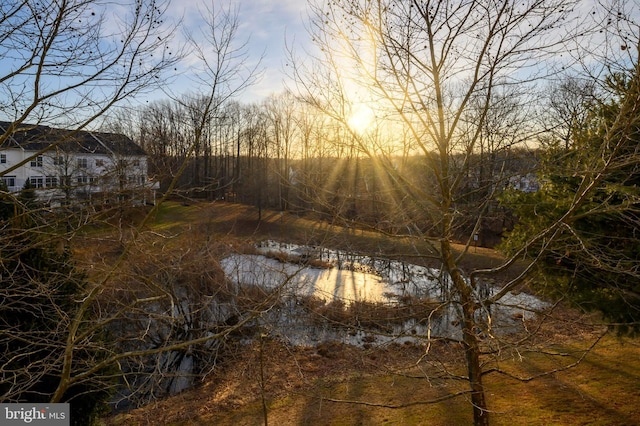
[[438, 70], [67, 63], [64, 64], [220, 72], [223, 72], [281, 111], [568, 103]]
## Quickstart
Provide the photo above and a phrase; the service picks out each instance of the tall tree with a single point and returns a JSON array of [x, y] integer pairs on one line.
[[568, 108], [66, 63], [224, 70], [436, 69], [281, 112]]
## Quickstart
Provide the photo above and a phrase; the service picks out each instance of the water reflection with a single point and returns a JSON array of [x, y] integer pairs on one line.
[[358, 300], [354, 278]]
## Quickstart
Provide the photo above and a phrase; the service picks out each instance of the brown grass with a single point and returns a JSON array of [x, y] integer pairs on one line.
[[341, 385], [222, 219], [335, 384], [367, 315]]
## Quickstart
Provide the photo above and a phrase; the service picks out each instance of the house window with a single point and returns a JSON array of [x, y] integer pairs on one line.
[[37, 181], [99, 163], [83, 179], [37, 161], [58, 160], [3, 158], [136, 162], [82, 163], [10, 181], [51, 181]]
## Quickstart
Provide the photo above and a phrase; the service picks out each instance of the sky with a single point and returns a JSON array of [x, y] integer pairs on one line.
[[268, 25]]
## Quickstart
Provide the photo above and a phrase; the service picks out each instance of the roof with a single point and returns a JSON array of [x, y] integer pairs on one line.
[[37, 137]]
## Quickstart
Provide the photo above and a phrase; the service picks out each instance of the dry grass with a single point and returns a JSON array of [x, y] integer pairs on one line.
[[222, 219], [334, 384], [339, 385], [376, 316]]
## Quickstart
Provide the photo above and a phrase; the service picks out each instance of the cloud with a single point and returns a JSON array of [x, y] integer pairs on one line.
[[267, 25]]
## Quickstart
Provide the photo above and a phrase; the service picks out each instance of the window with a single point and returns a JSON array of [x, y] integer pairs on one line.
[[83, 179], [136, 162], [99, 163], [37, 162], [51, 181], [58, 160], [10, 181], [3, 158], [82, 163], [37, 181]]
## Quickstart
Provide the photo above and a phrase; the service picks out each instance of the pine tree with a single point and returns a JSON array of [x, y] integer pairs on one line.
[[593, 258], [6, 202]]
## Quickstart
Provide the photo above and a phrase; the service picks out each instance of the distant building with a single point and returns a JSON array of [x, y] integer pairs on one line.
[[525, 183], [63, 165]]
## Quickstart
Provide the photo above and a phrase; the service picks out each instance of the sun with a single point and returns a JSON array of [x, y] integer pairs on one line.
[[362, 118]]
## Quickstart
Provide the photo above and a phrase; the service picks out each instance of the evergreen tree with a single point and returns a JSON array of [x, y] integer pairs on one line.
[[593, 257], [6, 203], [27, 195]]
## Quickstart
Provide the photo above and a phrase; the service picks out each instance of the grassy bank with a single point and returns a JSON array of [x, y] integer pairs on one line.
[[333, 384], [303, 387]]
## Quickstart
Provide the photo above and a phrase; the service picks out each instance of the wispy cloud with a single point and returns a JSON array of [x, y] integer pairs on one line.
[[267, 25]]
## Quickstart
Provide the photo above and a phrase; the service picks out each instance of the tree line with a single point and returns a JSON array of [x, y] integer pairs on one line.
[[282, 154]]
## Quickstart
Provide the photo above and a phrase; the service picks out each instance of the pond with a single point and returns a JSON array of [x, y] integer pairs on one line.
[[338, 280], [350, 278]]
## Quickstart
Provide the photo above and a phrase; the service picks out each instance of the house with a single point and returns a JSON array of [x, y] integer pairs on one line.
[[62, 165], [525, 183]]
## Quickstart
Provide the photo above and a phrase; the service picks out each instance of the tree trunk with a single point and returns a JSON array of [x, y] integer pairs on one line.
[[472, 352], [469, 337]]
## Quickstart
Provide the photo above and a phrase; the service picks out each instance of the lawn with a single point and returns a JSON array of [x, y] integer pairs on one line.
[[351, 387], [334, 384]]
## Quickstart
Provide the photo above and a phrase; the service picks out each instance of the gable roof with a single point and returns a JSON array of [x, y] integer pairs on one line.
[[37, 137]]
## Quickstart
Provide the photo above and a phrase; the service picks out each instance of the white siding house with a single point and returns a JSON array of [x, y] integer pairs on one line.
[[64, 164]]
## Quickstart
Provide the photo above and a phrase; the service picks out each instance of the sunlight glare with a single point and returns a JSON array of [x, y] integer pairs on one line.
[[362, 118]]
